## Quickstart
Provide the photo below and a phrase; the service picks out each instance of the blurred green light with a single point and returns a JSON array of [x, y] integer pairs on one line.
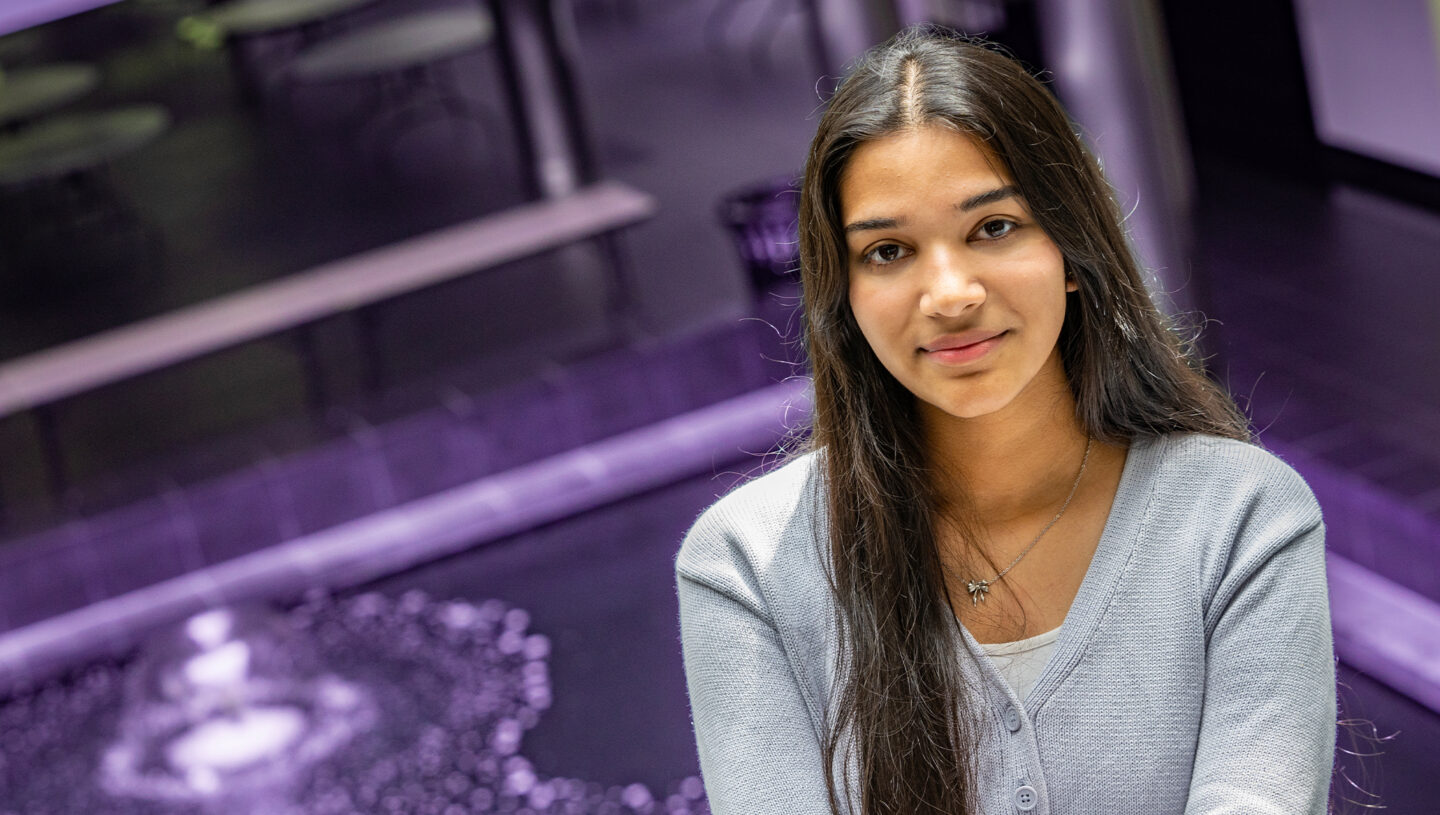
[[200, 32]]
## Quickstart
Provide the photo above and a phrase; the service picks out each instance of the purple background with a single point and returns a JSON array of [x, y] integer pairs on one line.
[[192, 485]]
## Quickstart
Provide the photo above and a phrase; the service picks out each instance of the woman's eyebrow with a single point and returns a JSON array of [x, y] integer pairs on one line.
[[990, 197], [873, 223], [973, 202]]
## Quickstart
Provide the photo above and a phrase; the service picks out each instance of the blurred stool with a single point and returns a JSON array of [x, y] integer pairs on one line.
[[763, 221], [59, 214], [27, 93], [408, 64], [247, 26]]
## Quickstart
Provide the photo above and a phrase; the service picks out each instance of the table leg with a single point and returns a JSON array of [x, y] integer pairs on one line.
[[48, 428], [245, 73], [515, 100], [367, 326], [621, 303], [564, 45], [537, 48], [315, 394]]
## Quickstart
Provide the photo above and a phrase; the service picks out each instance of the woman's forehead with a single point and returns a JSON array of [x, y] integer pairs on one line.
[[902, 167]]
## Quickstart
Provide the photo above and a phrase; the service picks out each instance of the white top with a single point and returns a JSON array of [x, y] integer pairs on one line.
[[1022, 661]]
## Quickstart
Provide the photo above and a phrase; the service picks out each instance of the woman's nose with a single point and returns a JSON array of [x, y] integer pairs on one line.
[[950, 287]]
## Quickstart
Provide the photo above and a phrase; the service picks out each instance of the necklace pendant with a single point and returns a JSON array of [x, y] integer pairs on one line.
[[978, 589]]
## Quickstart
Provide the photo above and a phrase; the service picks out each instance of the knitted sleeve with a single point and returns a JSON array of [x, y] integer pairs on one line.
[[1267, 735], [759, 749]]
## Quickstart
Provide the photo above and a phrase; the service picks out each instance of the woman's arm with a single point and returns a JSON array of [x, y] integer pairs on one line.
[[1267, 737], [759, 751]]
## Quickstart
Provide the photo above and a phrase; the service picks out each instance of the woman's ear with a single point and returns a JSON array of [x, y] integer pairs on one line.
[[1070, 284]]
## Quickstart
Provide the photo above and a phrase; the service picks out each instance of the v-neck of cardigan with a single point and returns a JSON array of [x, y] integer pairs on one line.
[[1117, 543]]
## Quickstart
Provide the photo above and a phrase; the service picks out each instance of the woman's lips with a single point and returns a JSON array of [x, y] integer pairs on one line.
[[949, 354]]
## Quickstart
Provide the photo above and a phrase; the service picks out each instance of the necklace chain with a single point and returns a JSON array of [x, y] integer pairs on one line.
[[979, 588]]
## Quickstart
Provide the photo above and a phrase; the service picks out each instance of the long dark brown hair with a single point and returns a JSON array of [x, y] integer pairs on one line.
[[901, 712]]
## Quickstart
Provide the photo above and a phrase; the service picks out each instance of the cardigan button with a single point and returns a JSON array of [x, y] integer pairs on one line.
[[1026, 798], [1012, 718]]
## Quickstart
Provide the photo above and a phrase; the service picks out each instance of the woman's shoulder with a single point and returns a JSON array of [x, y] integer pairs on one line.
[[1232, 510], [757, 522], [1212, 472], [1233, 503]]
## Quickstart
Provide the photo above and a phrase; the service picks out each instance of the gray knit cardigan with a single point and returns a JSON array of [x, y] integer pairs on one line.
[[1194, 672]]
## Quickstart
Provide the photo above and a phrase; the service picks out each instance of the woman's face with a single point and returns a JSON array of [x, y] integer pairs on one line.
[[959, 292]]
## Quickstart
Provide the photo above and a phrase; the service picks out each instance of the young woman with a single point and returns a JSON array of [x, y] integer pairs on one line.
[[1032, 563]]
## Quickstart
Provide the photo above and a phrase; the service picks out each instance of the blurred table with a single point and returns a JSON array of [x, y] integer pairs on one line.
[[538, 63], [240, 24], [395, 45], [249, 18], [70, 143], [26, 93], [406, 61], [62, 223]]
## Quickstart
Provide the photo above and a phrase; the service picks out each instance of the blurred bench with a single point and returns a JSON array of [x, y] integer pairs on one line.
[[41, 379]]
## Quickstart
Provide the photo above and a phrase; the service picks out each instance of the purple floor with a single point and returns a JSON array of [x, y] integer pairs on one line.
[[371, 467], [603, 589], [1319, 302]]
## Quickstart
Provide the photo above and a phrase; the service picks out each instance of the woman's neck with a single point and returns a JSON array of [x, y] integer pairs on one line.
[[1010, 465]]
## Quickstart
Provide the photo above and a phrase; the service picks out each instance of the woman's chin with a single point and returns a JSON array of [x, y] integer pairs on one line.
[[966, 409]]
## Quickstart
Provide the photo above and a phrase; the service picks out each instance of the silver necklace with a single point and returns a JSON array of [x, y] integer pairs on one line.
[[979, 588]]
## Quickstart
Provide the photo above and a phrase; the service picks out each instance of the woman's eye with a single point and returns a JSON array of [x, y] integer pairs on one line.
[[885, 253], [996, 229]]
